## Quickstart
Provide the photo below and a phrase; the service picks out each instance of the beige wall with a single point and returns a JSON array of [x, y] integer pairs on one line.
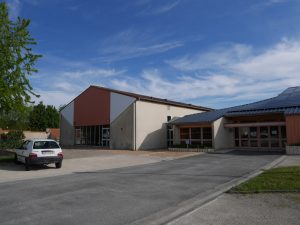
[[35, 134], [121, 130], [223, 137], [151, 119]]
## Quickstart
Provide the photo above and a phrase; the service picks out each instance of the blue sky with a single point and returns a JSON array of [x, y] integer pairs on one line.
[[214, 53]]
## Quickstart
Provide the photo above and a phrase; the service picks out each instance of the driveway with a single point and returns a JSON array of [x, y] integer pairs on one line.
[[145, 194]]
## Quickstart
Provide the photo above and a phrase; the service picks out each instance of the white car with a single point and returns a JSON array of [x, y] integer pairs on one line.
[[39, 152]]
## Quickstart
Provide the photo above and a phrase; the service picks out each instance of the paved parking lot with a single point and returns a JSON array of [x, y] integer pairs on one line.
[[85, 160], [142, 194]]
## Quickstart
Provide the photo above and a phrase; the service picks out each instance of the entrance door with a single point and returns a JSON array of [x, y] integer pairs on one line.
[[77, 136], [105, 136]]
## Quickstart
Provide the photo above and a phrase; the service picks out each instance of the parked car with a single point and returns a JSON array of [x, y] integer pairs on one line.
[[39, 152]]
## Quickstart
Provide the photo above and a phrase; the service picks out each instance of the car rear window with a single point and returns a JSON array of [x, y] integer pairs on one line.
[[45, 144]]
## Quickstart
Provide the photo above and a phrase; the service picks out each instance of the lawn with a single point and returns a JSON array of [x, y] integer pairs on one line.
[[273, 180]]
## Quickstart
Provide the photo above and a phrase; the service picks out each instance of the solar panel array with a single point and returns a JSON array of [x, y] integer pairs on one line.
[[288, 102]]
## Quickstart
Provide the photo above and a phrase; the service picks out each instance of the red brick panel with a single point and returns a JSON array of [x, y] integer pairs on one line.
[[92, 107], [293, 129]]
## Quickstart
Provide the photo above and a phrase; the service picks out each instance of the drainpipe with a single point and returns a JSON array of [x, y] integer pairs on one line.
[[134, 126]]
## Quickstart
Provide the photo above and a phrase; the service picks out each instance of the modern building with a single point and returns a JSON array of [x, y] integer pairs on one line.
[[120, 120], [272, 124]]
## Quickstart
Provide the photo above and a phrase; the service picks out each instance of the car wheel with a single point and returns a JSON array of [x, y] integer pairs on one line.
[[27, 167], [16, 159], [58, 165]]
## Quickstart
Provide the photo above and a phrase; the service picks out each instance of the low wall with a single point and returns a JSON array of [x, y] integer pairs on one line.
[[292, 150], [191, 149]]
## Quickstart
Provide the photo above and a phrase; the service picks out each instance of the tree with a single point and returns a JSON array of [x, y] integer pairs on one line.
[[15, 120], [16, 62], [42, 117]]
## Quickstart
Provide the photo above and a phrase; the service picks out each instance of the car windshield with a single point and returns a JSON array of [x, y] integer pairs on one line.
[[45, 144]]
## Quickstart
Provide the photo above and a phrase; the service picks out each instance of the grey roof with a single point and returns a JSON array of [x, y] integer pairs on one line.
[[288, 102]]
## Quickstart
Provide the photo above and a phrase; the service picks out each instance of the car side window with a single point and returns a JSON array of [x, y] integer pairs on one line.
[[24, 146]]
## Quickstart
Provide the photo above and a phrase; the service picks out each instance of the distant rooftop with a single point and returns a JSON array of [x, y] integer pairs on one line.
[[288, 103]]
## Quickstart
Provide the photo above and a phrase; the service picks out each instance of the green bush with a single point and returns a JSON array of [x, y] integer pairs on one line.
[[13, 139]]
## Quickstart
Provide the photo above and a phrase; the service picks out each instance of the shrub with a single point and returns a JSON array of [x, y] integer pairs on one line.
[[13, 139]]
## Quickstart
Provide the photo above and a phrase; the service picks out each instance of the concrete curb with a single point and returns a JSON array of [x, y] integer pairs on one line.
[[187, 207]]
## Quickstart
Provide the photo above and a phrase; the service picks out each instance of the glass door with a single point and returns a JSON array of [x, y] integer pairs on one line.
[[105, 136], [77, 136]]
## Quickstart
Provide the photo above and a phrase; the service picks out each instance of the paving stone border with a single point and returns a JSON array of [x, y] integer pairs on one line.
[[292, 150]]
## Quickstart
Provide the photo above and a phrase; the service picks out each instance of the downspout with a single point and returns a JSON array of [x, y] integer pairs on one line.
[[134, 126]]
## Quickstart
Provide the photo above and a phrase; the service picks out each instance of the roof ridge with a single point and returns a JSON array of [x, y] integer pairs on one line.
[[154, 99]]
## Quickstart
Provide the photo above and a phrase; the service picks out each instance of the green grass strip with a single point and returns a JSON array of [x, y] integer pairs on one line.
[[282, 179]]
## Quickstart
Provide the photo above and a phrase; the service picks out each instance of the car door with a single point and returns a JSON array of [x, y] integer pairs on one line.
[[22, 152]]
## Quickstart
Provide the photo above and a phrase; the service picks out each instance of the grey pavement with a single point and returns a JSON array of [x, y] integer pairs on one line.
[[249, 209], [87, 160], [144, 194]]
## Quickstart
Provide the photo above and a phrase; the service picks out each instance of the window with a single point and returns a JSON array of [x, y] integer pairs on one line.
[[201, 136], [207, 133], [253, 132], [196, 133], [264, 133], [274, 132], [184, 133], [244, 132], [45, 144]]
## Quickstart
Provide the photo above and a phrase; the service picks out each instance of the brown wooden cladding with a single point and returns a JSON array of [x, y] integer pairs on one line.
[[293, 129], [92, 107]]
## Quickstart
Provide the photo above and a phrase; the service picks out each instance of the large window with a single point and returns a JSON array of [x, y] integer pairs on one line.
[[197, 136], [184, 133], [93, 135], [265, 136]]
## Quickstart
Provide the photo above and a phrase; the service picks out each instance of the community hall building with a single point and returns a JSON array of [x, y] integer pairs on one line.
[[120, 120], [268, 124]]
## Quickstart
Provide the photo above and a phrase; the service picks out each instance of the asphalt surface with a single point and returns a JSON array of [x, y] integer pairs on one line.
[[124, 195], [247, 209]]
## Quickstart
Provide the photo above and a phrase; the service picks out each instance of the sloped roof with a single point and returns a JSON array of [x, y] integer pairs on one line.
[[288, 102], [154, 99]]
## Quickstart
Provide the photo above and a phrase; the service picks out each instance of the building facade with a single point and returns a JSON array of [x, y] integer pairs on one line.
[[270, 124], [120, 120]]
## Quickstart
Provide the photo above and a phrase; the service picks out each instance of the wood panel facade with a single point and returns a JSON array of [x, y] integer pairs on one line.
[[92, 107], [293, 129]]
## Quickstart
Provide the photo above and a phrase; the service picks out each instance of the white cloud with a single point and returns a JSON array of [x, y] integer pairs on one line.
[[130, 44], [217, 57], [225, 76], [149, 8], [280, 61], [89, 73], [67, 84]]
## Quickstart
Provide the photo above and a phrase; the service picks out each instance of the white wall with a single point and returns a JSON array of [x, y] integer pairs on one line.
[[118, 103], [66, 125], [68, 113], [121, 130], [223, 137], [151, 119]]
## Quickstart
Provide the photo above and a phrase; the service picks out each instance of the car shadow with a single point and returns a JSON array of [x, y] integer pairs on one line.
[[11, 166]]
